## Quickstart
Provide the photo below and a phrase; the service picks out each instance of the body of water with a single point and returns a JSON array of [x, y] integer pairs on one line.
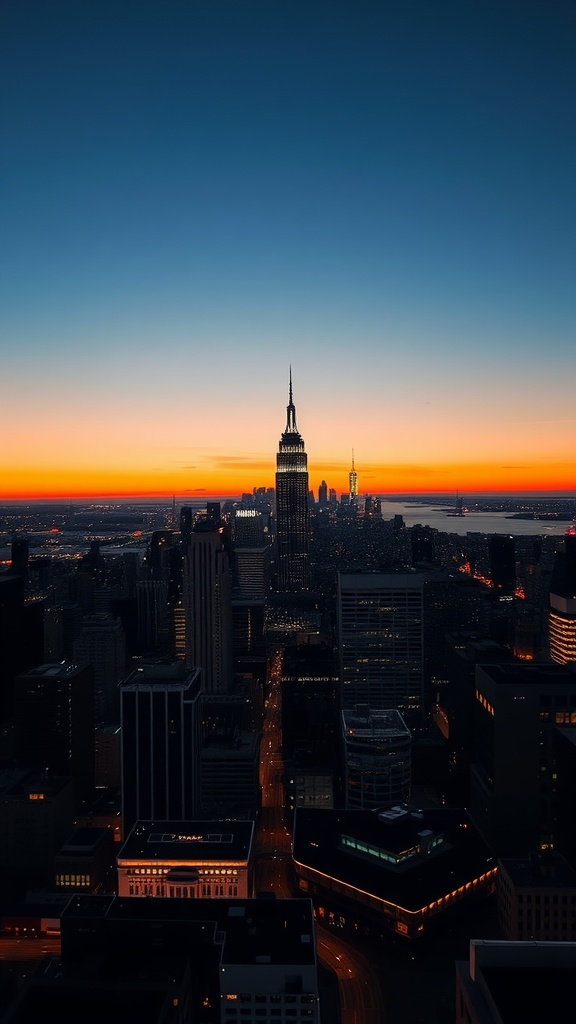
[[472, 522]]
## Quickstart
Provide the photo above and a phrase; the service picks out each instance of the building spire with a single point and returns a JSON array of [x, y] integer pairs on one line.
[[353, 481], [291, 427]]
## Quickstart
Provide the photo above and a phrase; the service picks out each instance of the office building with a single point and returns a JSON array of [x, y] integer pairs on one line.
[[400, 872], [208, 602], [508, 982], [152, 612], [102, 643], [166, 960], [20, 556], [107, 752], [160, 719], [292, 509], [514, 784], [85, 860], [502, 559], [537, 898], [36, 817], [187, 859], [562, 607], [229, 759], [268, 964], [21, 637], [55, 722], [380, 634], [377, 761]]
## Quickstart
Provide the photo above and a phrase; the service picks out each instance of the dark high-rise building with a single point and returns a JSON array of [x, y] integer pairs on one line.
[[103, 645], [515, 787], [208, 604], [20, 556], [292, 509], [380, 628], [502, 554], [21, 637], [54, 716], [160, 744]]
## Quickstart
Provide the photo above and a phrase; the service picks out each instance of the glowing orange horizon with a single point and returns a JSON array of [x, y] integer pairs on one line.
[[473, 478]]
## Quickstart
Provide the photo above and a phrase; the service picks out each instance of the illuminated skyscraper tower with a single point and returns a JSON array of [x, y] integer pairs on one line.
[[353, 483], [292, 511]]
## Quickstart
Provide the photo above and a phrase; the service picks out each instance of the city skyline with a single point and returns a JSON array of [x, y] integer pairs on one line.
[[195, 197]]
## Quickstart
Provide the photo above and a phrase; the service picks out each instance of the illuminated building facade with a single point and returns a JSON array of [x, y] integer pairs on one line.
[[161, 723], [251, 555], [187, 859], [353, 483], [381, 645], [377, 761], [292, 508], [402, 871], [562, 609]]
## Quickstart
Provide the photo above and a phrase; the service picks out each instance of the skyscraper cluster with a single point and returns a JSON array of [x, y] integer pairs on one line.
[[400, 702]]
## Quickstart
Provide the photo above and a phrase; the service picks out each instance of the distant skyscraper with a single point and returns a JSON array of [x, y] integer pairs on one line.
[[323, 494], [353, 482], [292, 510]]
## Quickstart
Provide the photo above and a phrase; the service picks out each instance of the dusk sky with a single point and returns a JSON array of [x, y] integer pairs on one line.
[[195, 196]]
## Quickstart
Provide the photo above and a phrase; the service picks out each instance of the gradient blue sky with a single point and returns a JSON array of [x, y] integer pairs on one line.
[[194, 195]]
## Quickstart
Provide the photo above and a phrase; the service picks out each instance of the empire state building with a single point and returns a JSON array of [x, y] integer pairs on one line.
[[292, 513]]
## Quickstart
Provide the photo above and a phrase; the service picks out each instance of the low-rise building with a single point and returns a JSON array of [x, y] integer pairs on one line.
[[187, 859], [84, 861]]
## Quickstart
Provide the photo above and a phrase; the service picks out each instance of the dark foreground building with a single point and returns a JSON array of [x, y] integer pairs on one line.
[[169, 961]]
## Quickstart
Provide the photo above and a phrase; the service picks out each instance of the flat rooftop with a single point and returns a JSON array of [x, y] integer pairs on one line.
[[547, 871], [174, 675], [531, 994], [269, 932], [84, 840], [366, 721], [205, 841], [419, 878], [254, 932]]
